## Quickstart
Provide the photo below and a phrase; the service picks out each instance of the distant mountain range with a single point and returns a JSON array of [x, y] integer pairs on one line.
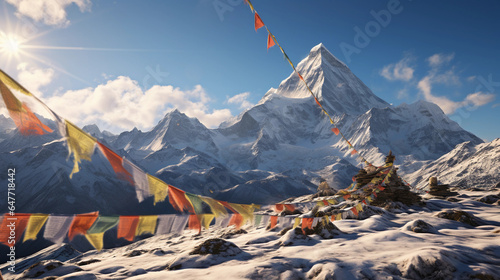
[[279, 148]]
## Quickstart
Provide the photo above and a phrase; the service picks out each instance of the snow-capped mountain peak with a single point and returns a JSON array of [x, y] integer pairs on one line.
[[332, 82]]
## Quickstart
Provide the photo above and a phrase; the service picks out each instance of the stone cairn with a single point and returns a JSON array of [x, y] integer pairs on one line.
[[439, 190]]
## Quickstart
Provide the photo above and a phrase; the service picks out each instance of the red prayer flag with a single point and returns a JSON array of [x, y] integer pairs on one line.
[[194, 223], [236, 220], [325, 202], [270, 41], [81, 223], [381, 188], [117, 163], [336, 131], [16, 223], [127, 227], [355, 211], [353, 152], [258, 22], [278, 207], [290, 207], [346, 197], [300, 76], [274, 221], [178, 200], [22, 116]]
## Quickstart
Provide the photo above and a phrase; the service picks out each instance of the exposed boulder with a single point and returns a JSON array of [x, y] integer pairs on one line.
[[216, 246], [460, 216]]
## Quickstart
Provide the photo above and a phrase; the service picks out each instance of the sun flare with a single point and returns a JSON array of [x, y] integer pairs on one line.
[[9, 44]]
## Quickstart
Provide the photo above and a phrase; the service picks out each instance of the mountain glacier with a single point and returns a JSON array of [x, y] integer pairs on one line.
[[279, 148]]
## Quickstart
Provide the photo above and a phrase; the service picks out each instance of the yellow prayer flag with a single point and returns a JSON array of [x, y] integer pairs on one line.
[[35, 223], [332, 201], [359, 207], [206, 219], [158, 188], [339, 217], [7, 80], [96, 239], [296, 223], [80, 144], [320, 203], [147, 224], [369, 198], [217, 208], [245, 210]]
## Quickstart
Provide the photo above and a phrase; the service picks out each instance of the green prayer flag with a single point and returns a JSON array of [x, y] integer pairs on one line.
[[103, 224], [196, 202]]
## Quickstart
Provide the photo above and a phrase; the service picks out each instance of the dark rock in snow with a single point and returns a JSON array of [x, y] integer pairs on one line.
[[460, 216], [216, 246]]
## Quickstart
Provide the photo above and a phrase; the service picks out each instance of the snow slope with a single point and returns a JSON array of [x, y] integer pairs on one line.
[[379, 247]]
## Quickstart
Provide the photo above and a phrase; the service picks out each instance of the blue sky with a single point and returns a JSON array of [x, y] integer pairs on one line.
[[122, 64]]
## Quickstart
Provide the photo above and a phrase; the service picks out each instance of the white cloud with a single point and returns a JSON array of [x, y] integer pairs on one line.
[[439, 59], [33, 78], [403, 94], [50, 12], [448, 106], [122, 104], [398, 71], [241, 99]]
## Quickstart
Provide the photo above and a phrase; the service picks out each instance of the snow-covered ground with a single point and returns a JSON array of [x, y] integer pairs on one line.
[[379, 247]]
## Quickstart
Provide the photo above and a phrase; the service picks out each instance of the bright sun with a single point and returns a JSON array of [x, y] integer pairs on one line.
[[9, 44]]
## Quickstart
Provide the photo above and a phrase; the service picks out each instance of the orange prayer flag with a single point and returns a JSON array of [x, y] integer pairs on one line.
[[274, 221], [16, 223], [381, 188], [307, 223], [353, 152], [325, 202], [270, 41], [258, 22], [236, 220], [333, 218], [22, 116], [117, 163], [278, 207], [290, 207], [81, 223], [300, 76], [317, 102], [178, 200], [346, 197], [336, 131], [194, 223], [127, 227]]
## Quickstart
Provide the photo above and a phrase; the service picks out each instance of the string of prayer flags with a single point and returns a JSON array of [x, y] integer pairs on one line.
[[216, 208], [179, 200], [35, 224], [23, 117], [146, 224], [81, 223], [140, 178], [13, 223], [127, 227], [258, 23], [57, 227], [116, 162], [80, 144], [158, 188]]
